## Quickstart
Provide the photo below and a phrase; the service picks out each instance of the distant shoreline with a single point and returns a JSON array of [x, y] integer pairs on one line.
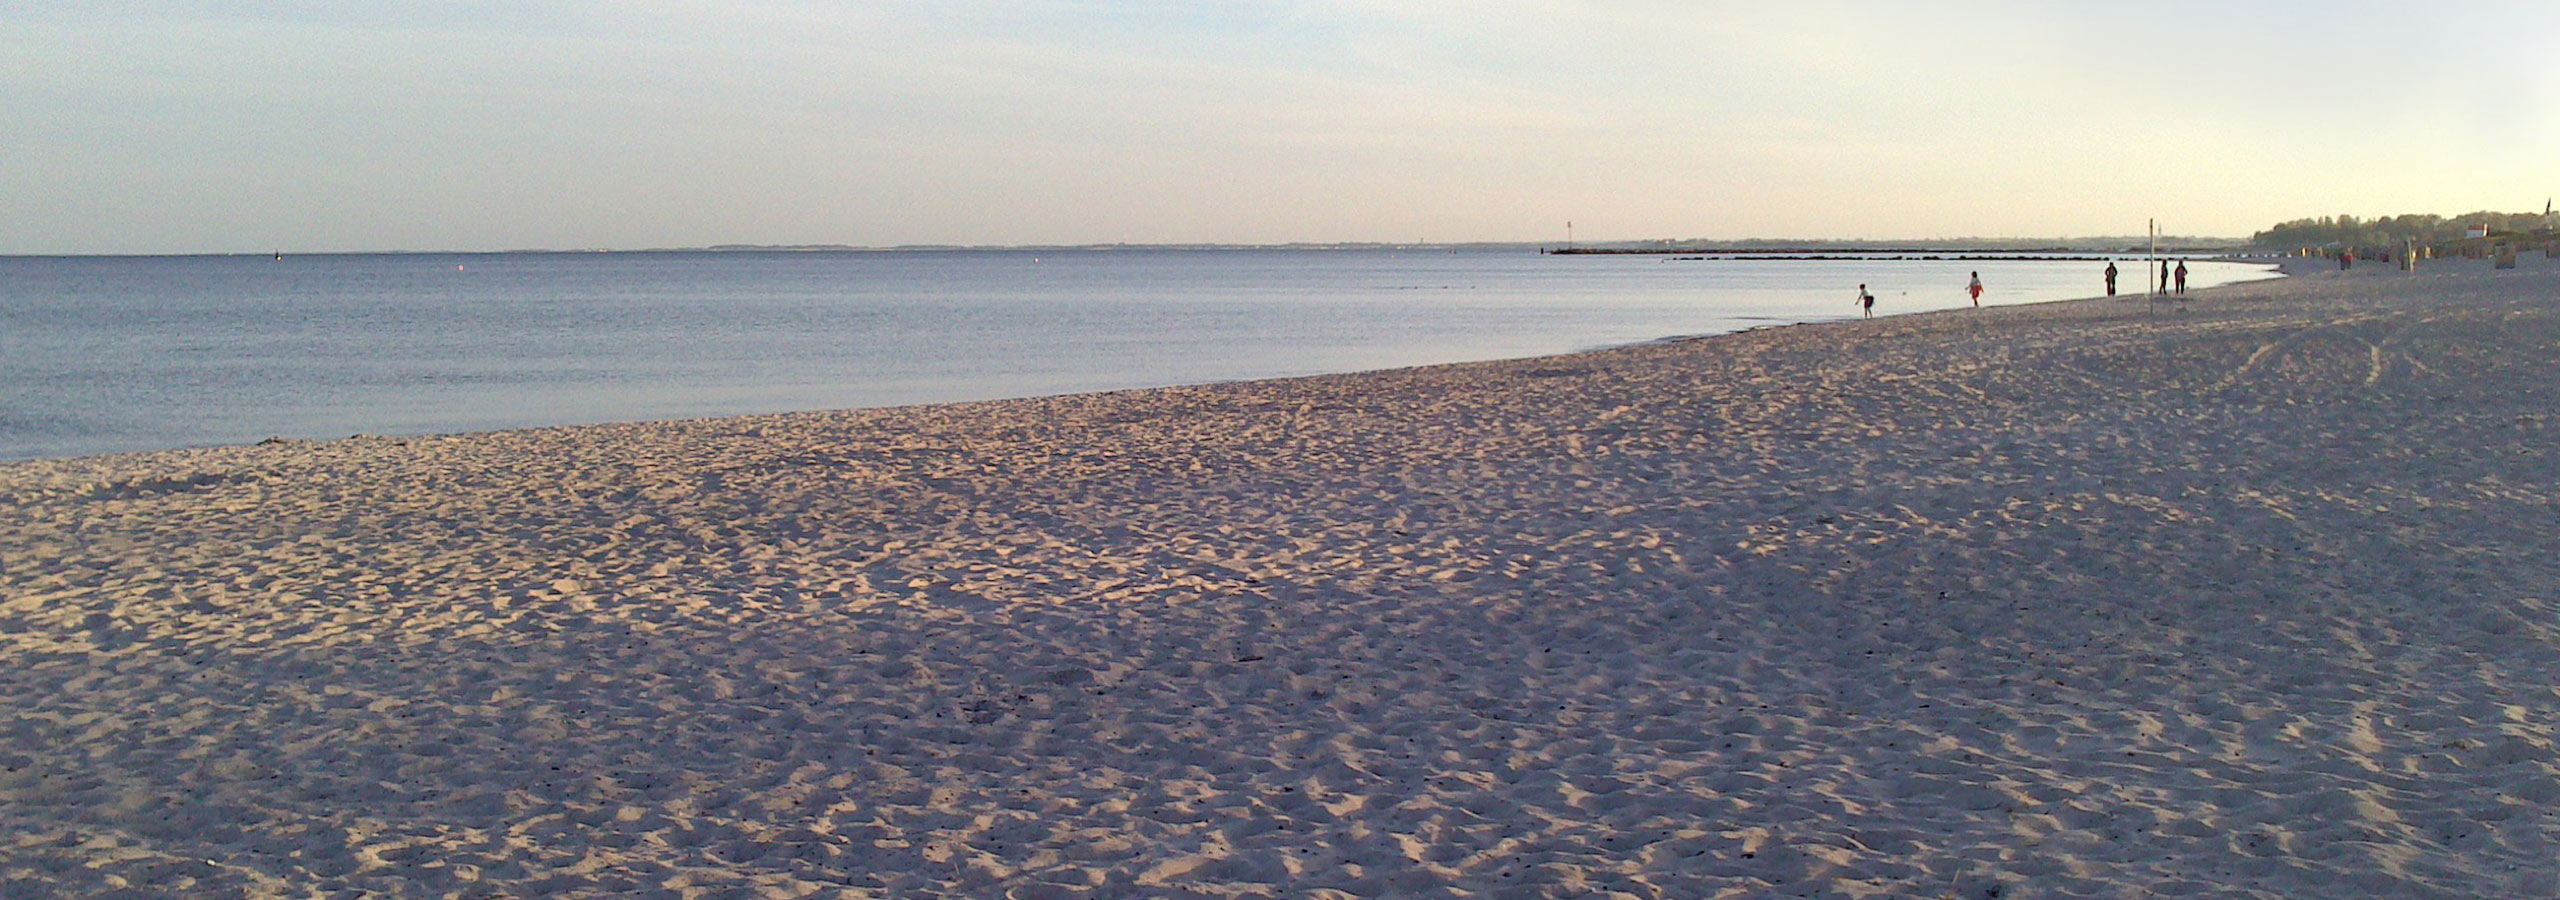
[[1893, 255], [1784, 249]]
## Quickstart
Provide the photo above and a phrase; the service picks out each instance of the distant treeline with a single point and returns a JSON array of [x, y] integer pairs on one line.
[[2390, 231]]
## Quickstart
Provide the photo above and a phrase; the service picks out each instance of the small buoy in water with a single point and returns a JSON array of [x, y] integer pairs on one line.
[[457, 267]]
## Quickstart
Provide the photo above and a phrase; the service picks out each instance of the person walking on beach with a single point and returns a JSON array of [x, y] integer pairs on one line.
[[1976, 290], [2111, 278], [2182, 276], [1866, 302]]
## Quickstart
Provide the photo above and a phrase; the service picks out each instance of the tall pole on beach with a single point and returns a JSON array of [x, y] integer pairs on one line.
[[2155, 256]]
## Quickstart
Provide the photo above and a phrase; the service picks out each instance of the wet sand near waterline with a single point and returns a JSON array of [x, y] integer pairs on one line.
[[2256, 595]]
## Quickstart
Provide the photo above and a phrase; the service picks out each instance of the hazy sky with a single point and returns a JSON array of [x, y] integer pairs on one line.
[[195, 125]]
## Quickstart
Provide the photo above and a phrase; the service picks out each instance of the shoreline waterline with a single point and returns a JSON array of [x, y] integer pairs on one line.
[[115, 356]]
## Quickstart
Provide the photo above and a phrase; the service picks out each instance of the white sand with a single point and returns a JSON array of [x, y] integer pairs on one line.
[[2258, 599]]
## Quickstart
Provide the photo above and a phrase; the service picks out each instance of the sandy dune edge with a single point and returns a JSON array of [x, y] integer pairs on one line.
[[2259, 598]]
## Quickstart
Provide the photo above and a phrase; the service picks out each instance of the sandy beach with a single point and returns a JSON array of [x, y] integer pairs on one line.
[[2251, 595]]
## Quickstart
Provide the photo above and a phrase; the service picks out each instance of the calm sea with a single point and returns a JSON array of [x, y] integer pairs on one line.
[[109, 354]]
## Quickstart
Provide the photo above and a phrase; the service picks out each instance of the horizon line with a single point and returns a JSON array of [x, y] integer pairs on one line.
[[1663, 244]]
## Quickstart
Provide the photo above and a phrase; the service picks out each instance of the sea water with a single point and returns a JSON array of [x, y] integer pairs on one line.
[[110, 354]]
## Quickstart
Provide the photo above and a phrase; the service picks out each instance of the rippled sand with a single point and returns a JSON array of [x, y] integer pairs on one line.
[[2253, 596]]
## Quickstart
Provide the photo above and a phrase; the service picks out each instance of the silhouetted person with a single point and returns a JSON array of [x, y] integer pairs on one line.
[[1976, 290], [1866, 302], [2111, 278], [2163, 287], [2182, 276]]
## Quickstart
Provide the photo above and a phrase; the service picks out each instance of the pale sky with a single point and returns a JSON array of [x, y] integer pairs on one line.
[[324, 125]]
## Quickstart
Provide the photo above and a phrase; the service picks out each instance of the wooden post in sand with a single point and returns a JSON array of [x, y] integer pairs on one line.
[[2147, 273]]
